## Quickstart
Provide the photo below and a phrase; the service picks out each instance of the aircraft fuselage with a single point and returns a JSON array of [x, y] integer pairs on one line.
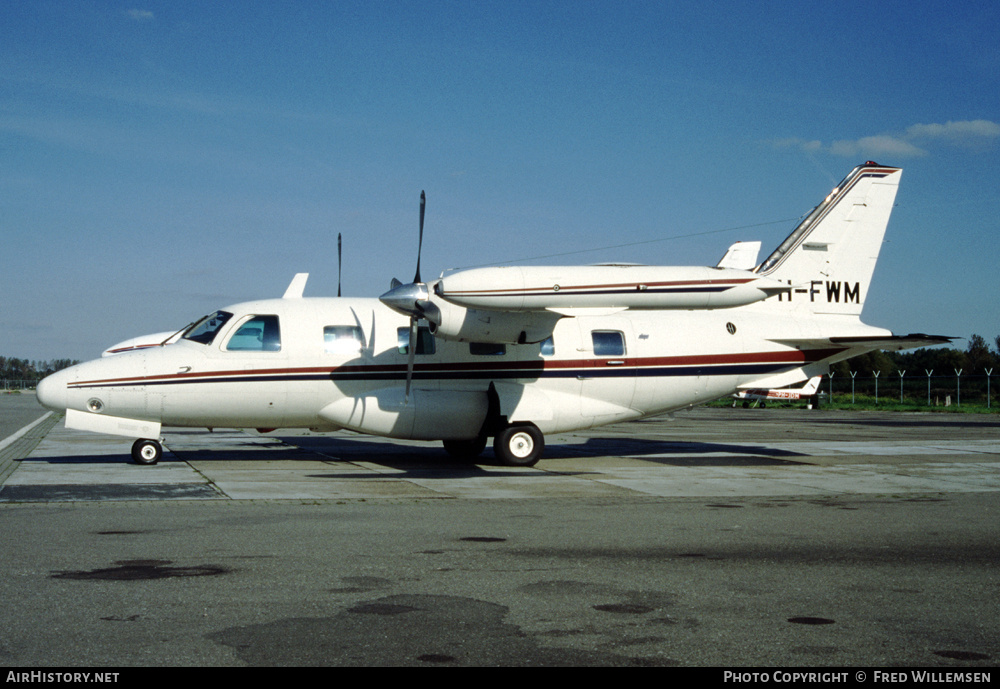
[[340, 363]]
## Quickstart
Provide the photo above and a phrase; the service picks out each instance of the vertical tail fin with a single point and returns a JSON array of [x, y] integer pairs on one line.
[[811, 386], [830, 257]]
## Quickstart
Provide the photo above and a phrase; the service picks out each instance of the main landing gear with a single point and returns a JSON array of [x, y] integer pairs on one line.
[[146, 451], [520, 445]]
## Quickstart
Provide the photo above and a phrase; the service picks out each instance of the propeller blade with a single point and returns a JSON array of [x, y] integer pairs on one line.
[[420, 243], [411, 353], [340, 255]]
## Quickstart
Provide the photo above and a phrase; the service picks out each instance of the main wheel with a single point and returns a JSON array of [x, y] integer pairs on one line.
[[519, 446], [146, 451]]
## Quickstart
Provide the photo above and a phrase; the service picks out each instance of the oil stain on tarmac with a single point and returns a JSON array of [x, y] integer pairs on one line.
[[406, 630]]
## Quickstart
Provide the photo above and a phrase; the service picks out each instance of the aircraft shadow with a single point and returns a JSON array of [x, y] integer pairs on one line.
[[420, 459], [677, 453], [412, 461], [659, 452]]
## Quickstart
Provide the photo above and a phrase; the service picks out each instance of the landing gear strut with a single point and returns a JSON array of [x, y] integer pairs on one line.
[[146, 451]]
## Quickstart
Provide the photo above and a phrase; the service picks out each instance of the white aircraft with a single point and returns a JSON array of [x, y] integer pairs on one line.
[[765, 395], [509, 353], [143, 342]]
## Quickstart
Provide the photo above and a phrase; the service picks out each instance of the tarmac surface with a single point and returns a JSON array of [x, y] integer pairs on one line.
[[722, 537]]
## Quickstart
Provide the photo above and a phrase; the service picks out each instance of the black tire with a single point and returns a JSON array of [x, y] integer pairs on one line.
[[465, 449], [519, 446], [146, 452]]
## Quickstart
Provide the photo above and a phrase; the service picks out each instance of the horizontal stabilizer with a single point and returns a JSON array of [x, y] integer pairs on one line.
[[892, 343]]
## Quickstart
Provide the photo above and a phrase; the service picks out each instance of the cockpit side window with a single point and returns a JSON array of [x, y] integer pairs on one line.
[[259, 334], [205, 330]]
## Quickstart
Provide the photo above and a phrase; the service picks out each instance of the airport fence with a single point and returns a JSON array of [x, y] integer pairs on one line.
[[927, 388], [8, 384]]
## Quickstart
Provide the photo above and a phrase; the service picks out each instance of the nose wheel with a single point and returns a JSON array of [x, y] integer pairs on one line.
[[146, 452]]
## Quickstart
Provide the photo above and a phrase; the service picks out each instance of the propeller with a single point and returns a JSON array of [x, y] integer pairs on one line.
[[420, 240], [411, 300], [340, 255]]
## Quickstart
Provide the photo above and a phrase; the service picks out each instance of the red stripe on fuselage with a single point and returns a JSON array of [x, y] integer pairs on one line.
[[791, 358]]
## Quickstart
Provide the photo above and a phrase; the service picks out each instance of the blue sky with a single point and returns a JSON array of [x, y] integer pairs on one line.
[[159, 160]]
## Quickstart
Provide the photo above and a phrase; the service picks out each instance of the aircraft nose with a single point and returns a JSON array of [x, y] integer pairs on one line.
[[52, 391]]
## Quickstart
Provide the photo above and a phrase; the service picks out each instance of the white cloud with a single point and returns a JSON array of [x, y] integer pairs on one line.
[[875, 146], [966, 133], [140, 15], [970, 131]]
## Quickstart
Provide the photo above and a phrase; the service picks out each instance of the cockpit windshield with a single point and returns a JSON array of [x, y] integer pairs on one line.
[[205, 330]]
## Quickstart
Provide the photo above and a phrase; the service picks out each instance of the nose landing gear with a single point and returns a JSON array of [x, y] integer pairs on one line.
[[146, 452]]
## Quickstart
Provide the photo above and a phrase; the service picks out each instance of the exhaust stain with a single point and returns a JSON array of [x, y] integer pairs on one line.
[[141, 570], [624, 608], [810, 620], [483, 539], [119, 533]]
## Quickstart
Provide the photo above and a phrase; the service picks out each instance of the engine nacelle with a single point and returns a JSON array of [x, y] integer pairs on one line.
[[460, 324]]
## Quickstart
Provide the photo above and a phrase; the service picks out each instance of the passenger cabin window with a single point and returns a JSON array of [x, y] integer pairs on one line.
[[343, 339], [205, 330], [487, 349], [259, 334], [548, 346], [425, 341], [608, 343]]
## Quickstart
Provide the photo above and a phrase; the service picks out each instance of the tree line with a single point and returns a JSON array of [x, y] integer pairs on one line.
[[12, 368], [977, 359]]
